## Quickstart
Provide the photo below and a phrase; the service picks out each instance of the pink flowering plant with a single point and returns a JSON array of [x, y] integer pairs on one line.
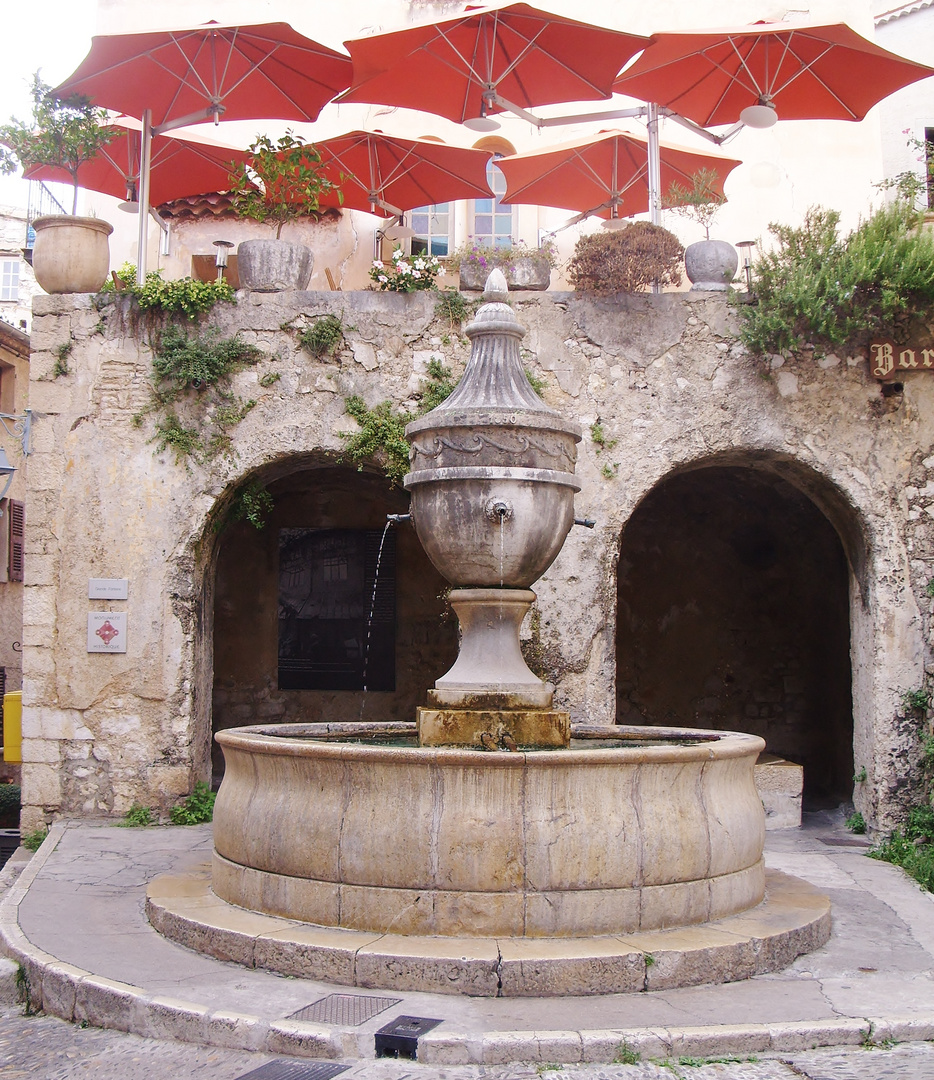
[[405, 273], [474, 253]]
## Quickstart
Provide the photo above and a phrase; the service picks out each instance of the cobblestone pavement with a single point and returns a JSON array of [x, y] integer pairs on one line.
[[44, 1048]]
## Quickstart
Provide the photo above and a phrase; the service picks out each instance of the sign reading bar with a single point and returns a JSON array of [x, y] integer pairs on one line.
[[105, 588], [887, 360]]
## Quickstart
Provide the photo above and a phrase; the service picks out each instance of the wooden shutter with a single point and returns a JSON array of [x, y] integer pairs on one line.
[[17, 530]]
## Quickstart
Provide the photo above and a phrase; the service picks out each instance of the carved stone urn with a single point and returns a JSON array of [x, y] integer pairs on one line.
[[492, 495]]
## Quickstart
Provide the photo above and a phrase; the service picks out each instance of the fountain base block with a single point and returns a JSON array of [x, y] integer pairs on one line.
[[494, 728]]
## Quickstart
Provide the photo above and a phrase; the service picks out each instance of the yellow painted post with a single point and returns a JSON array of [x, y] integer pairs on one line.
[[13, 726]]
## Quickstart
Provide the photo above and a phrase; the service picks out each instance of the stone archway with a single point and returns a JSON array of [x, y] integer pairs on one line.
[[347, 507], [734, 613]]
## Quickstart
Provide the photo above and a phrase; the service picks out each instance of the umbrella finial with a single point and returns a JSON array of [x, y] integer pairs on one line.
[[496, 291]]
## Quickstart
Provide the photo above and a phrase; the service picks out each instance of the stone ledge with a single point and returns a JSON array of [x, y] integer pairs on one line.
[[794, 918]]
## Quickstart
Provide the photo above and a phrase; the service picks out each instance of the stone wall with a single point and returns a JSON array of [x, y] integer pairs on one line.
[[664, 376]]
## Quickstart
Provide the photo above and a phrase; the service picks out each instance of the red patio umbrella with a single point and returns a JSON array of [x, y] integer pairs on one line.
[[387, 175], [180, 166], [188, 75], [605, 175], [801, 72], [488, 59], [192, 74]]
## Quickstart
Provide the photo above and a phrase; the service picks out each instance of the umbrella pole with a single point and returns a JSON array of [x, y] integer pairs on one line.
[[654, 165], [145, 158]]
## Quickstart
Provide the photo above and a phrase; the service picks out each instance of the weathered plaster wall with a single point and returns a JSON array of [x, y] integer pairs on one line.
[[664, 375]]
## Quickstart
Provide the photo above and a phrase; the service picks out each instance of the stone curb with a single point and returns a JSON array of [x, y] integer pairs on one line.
[[793, 919], [76, 995]]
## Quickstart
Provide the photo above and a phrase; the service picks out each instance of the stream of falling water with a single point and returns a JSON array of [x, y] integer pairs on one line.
[[369, 620], [502, 534]]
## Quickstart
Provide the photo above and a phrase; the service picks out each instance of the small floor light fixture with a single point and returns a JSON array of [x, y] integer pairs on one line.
[[220, 258], [745, 247]]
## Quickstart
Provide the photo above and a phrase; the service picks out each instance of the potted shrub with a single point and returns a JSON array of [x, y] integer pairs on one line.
[[524, 267], [71, 253], [709, 264], [626, 260], [279, 182]]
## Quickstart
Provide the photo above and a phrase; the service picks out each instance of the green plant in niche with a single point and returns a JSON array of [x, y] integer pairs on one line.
[[196, 809], [856, 823], [252, 503], [537, 384], [860, 776], [916, 700], [929, 589], [32, 841], [626, 1055], [190, 384], [270, 379], [62, 352], [599, 437], [137, 817], [381, 437], [453, 306], [323, 336]]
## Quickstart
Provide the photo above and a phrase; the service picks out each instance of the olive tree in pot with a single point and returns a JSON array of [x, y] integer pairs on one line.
[[279, 182], [71, 253], [709, 264]]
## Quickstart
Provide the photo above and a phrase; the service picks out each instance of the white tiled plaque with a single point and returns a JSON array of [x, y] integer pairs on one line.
[[105, 588], [107, 631]]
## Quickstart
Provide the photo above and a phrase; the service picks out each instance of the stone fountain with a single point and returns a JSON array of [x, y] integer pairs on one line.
[[492, 834]]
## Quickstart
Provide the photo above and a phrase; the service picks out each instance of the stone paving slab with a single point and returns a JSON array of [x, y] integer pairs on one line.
[[75, 920]]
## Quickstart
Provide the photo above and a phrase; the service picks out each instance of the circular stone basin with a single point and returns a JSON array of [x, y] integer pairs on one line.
[[460, 842]]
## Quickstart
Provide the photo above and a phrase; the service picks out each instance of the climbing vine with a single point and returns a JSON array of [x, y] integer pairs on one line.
[[191, 392], [381, 434]]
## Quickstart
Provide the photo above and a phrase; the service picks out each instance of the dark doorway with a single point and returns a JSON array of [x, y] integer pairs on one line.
[[415, 642], [733, 595]]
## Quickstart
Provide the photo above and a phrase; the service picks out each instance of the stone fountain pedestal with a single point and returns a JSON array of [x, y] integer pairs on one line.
[[489, 855], [492, 487]]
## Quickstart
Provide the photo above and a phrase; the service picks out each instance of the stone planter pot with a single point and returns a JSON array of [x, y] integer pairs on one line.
[[710, 265], [71, 254], [274, 265], [527, 272]]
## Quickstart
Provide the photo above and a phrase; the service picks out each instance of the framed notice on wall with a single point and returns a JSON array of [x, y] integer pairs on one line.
[[337, 621]]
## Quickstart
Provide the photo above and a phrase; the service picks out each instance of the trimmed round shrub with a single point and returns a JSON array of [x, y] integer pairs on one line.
[[626, 260]]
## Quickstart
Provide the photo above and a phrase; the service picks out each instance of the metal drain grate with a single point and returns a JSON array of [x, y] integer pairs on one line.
[[345, 1009], [280, 1069]]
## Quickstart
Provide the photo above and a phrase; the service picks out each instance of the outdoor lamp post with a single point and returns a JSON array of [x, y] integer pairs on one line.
[[220, 258], [745, 247]]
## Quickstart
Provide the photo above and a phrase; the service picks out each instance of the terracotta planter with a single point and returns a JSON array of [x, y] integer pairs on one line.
[[274, 265], [527, 272], [710, 265], [71, 254]]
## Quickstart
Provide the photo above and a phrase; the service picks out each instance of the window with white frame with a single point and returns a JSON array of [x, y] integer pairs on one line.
[[492, 224], [9, 279], [432, 225]]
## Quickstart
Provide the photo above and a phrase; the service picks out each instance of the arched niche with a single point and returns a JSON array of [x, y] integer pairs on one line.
[[332, 517], [736, 582]]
